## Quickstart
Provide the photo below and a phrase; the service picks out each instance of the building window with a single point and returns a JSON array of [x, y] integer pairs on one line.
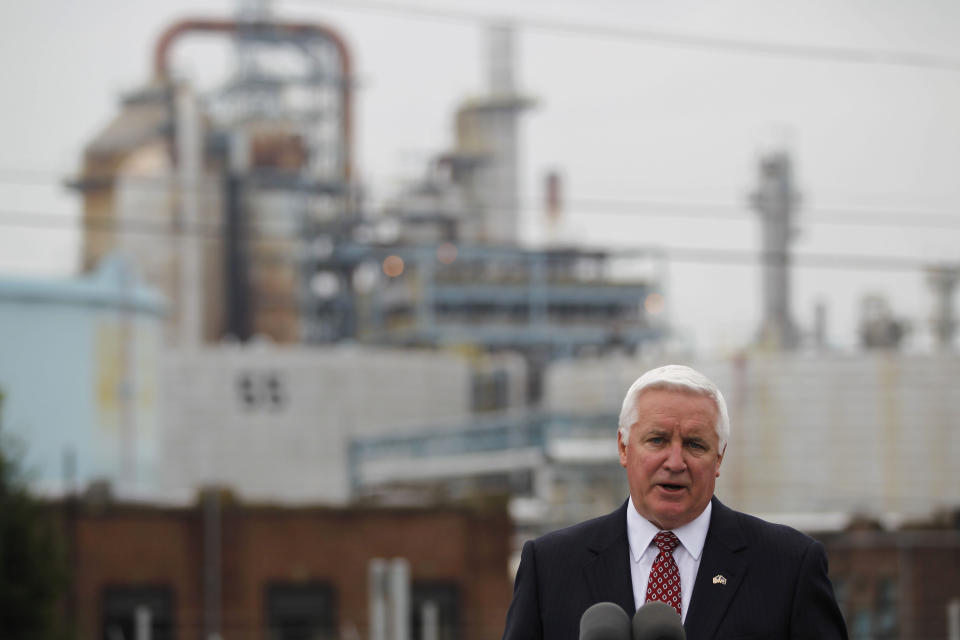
[[870, 607], [435, 606], [128, 612], [261, 391], [886, 619], [298, 611]]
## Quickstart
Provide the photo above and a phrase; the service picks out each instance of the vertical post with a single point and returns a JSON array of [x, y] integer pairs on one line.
[[430, 614], [400, 599], [953, 619], [189, 161], [377, 585], [211, 564], [389, 585], [142, 626]]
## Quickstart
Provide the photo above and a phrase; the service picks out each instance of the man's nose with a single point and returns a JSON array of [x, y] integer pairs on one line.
[[675, 461]]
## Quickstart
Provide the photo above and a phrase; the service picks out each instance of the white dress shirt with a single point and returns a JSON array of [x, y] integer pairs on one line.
[[641, 532]]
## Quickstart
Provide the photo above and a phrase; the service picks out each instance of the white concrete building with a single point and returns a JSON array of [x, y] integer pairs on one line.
[[274, 422], [836, 435]]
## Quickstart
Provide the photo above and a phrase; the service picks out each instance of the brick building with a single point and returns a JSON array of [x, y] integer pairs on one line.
[[256, 572], [304, 573], [897, 585]]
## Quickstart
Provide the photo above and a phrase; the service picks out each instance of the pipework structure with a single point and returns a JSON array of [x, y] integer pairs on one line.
[[257, 226], [216, 193], [459, 273]]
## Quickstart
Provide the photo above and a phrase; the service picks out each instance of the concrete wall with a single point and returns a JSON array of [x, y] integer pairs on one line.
[[874, 433], [273, 423]]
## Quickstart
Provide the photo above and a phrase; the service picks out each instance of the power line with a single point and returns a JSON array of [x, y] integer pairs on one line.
[[631, 208], [658, 37], [43, 177], [585, 205], [807, 260], [828, 215], [152, 226], [704, 255]]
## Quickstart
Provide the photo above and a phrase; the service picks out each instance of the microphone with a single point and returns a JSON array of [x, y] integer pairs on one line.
[[657, 621], [605, 621]]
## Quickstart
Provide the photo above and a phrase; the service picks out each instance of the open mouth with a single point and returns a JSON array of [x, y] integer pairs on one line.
[[671, 487]]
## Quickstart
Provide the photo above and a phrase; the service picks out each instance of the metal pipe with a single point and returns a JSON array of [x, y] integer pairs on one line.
[[161, 59], [189, 161]]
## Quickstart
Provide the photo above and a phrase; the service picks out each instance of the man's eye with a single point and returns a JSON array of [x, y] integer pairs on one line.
[[699, 446], [656, 440]]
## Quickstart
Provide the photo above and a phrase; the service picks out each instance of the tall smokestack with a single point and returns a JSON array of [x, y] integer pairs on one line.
[[775, 202], [943, 280]]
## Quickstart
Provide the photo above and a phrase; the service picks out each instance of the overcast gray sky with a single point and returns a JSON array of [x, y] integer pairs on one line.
[[629, 110]]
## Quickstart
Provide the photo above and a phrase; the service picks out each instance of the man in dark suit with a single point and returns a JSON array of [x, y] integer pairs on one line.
[[729, 575]]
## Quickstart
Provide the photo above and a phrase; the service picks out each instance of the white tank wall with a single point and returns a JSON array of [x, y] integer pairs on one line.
[[876, 434], [295, 451], [78, 369]]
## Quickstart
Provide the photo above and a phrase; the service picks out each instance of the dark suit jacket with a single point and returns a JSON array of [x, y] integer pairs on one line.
[[776, 581]]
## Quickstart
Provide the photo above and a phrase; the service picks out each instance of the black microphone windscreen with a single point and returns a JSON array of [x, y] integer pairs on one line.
[[605, 621], [657, 621]]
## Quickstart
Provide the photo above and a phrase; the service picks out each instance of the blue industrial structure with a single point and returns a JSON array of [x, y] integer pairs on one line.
[[556, 301], [79, 374]]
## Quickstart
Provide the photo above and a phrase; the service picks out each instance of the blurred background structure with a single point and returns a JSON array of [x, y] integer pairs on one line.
[[284, 393]]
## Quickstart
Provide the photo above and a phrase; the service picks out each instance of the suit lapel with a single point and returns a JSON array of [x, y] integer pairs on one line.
[[608, 575], [722, 560]]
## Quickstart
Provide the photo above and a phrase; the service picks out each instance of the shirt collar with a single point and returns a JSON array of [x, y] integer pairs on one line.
[[640, 532]]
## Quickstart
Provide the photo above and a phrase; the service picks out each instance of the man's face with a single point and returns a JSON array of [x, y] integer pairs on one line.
[[672, 459]]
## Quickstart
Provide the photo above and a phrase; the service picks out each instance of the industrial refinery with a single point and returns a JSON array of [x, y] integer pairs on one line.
[[284, 406]]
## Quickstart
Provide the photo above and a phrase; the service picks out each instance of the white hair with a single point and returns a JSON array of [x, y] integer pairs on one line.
[[676, 377]]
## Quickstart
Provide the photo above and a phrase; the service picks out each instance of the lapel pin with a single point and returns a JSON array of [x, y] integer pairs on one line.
[[719, 579]]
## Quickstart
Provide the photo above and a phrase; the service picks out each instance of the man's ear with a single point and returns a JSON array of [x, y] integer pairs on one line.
[[720, 459], [621, 449]]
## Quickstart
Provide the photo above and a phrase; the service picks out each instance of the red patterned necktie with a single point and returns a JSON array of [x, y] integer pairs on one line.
[[664, 582]]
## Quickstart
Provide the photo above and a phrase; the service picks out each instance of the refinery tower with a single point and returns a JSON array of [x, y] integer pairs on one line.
[[242, 205]]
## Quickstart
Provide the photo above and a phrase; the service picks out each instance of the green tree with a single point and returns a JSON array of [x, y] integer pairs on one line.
[[33, 574]]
